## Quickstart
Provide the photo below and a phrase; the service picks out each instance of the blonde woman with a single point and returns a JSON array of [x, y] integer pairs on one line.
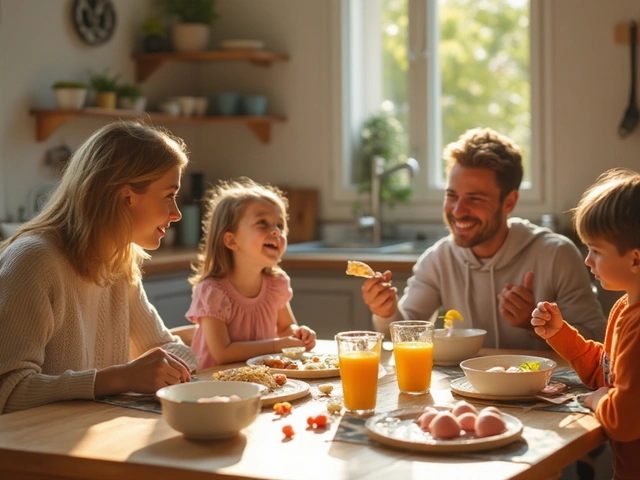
[[241, 297], [75, 322]]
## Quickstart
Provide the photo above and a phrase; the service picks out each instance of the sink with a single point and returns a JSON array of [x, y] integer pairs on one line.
[[410, 247]]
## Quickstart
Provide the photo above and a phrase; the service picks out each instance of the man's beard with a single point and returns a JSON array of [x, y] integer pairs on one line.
[[484, 234]]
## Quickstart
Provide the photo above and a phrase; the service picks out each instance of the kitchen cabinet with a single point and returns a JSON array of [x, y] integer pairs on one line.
[[330, 302], [170, 293], [49, 120]]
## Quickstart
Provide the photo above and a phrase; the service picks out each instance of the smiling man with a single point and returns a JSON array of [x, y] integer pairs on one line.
[[491, 268]]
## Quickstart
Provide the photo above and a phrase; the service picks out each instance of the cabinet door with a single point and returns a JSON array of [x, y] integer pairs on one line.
[[171, 295]]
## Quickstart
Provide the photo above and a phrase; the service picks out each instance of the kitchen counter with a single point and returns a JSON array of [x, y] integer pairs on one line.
[[168, 260]]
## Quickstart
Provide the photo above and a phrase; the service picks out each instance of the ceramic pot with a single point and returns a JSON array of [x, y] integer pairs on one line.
[[106, 99], [71, 98], [190, 37], [139, 104], [227, 103], [254, 105]]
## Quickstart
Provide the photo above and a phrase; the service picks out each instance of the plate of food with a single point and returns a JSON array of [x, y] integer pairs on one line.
[[278, 388], [402, 429], [310, 365]]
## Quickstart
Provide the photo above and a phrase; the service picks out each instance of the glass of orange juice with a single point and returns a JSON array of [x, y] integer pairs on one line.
[[359, 354], [413, 353]]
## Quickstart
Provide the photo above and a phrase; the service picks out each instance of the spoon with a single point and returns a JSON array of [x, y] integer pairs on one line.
[[632, 115]]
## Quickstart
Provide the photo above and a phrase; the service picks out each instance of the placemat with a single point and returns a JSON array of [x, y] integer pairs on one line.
[[574, 392], [133, 400], [138, 401], [540, 443]]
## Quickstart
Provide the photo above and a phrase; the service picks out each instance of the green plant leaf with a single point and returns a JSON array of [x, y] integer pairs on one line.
[[191, 11], [383, 135]]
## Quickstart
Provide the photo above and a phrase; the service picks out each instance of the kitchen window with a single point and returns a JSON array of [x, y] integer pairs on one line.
[[441, 67]]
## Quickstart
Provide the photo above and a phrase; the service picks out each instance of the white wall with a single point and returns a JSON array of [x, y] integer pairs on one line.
[[38, 46]]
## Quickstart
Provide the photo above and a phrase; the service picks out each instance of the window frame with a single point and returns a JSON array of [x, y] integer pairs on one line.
[[348, 101]]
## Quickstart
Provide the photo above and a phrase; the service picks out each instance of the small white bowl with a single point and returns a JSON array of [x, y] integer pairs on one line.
[[181, 410], [507, 384], [462, 344], [187, 106]]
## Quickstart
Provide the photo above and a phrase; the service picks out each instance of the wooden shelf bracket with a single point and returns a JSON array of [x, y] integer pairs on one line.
[[262, 130], [49, 122]]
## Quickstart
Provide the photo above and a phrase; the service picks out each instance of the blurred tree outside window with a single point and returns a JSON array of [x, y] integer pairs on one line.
[[441, 67]]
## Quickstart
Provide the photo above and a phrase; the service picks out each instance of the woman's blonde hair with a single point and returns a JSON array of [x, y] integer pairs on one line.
[[609, 210], [87, 213], [224, 206]]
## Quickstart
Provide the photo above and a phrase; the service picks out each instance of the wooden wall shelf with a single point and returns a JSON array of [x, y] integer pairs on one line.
[[621, 33], [148, 63], [48, 121]]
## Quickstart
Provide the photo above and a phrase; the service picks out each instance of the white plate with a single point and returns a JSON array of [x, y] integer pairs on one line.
[[398, 429], [326, 373], [461, 386], [289, 391], [242, 44]]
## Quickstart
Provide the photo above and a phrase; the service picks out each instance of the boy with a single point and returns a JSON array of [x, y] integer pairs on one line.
[[607, 219]]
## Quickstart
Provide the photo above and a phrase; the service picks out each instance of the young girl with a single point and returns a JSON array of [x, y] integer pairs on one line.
[[241, 298], [75, 322]]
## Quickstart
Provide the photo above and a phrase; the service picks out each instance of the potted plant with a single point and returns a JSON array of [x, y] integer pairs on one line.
[[383, 135], [70, 95], [194, 17], [130, 97], [106, 87], [154, 32]]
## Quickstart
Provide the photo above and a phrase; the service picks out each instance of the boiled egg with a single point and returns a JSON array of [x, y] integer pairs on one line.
[[463, 407], [445, 426], [468, 421], [424, 420], [489, 424]]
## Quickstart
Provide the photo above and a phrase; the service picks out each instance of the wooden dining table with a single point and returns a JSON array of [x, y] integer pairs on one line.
[[92, 440]]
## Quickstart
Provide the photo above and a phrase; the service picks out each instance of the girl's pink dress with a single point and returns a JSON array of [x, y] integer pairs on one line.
[[247, 319]]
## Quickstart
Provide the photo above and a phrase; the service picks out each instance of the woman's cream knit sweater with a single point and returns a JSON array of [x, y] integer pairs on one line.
[[57, 328]]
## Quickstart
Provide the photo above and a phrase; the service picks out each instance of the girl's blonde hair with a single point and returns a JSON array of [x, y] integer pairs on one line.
[[224, 206], [87, 214], [609, 210]]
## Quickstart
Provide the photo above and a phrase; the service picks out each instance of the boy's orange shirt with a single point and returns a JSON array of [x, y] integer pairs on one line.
[[615, 364]]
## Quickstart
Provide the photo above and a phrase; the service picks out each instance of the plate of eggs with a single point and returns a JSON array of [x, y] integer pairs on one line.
[[458, 428]]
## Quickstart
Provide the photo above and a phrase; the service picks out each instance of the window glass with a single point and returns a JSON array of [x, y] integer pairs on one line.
[[468, 68]]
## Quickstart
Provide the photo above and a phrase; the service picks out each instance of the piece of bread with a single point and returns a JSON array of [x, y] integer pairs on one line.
[[359, 269]]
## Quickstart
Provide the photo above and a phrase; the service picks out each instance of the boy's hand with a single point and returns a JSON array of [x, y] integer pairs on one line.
[[546, 319], [594, 398], [517, 301], [379, 295]]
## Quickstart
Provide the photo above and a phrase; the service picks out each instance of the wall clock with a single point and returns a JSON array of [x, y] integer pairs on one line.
[[95, 20]]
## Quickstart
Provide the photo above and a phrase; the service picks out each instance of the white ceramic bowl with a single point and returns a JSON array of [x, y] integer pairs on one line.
[[462, 344], [508, 384], [210, 420]]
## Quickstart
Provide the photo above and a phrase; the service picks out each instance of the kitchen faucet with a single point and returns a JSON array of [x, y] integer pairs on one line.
[[374, 220]]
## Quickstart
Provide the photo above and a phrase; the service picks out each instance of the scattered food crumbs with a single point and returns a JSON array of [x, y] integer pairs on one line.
[[325, 388]]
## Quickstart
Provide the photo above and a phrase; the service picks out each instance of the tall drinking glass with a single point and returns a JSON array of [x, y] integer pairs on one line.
[[413, 352], [359, 354]]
